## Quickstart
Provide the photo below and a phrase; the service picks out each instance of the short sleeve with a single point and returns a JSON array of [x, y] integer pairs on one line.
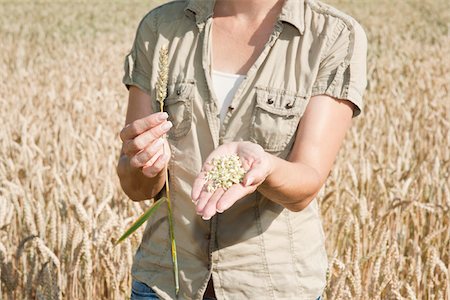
[[138, 63], [342, 71]]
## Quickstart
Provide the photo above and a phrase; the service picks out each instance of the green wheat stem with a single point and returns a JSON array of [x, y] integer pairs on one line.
[[161, 94], [172, 236], [141, 220]]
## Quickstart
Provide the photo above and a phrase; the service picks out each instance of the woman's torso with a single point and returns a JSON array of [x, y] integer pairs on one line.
[[256, 249]]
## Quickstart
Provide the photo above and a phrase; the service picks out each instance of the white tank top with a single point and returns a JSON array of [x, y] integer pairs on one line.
[[225, 86]]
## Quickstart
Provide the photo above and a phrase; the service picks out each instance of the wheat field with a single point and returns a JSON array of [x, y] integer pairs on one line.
[[385, 207]]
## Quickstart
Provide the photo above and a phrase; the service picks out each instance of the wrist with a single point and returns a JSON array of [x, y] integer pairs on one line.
[[271, 162], [272, 159]]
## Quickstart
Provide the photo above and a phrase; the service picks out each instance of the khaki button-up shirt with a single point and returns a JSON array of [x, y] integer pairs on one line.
[[257, 249]]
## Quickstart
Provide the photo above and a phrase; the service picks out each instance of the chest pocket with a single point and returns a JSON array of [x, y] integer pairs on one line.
[[178, 105], [275, 118]]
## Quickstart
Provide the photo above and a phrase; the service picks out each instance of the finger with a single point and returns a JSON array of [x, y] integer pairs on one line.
[[157, 166], [253, 176], [203, 199], [145, 156], [131, 147], [210, 208], [200, 182], [198, 185], [154, 158], [139, 126], [246, 164], [233, 194]]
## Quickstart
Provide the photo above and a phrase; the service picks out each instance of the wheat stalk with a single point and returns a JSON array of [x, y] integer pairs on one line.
[[161, 94]]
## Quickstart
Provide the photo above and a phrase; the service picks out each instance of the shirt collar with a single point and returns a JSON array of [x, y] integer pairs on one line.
[[292, 12], [201, 9]]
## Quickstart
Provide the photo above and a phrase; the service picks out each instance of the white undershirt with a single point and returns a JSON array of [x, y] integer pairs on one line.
[[225, 86]]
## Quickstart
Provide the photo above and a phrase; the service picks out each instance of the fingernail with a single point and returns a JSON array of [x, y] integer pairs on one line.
[[219, 211], [206, 218], [163, 116], [166, 126], [249, 181], [157, 143]]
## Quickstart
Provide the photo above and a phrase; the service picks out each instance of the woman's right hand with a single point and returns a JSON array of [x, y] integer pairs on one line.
[[143, 143]]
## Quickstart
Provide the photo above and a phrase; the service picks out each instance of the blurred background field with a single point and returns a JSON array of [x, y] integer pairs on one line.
[[386, 205]]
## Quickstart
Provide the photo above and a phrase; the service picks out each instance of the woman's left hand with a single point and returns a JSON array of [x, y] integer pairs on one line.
[[255, 161]]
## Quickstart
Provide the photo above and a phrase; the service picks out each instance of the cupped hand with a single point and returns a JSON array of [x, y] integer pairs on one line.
[[143, 143], [255, 161]]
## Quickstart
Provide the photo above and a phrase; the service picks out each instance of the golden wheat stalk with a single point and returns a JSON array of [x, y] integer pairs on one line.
[[161, 94]]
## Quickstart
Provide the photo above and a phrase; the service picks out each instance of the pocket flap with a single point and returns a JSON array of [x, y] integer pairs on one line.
[[280, 102], [179, 92]]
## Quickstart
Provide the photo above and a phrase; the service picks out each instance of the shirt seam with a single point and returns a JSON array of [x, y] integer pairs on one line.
[[339, 28], [329, 11], [293, 256], [263, 252], [138, 79], [330, 89]]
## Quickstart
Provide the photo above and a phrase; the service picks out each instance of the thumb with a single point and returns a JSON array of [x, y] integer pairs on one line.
[[253, 176]]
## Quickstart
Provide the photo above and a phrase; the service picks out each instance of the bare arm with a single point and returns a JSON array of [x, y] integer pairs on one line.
[[141, 159], [294, 182]]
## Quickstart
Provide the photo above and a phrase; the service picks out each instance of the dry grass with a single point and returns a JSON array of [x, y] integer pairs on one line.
[[386, 206]]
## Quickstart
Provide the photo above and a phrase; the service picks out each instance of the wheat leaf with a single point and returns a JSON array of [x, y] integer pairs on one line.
[[147, 214]]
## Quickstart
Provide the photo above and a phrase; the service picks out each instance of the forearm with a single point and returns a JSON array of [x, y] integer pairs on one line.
[[291, 184], [136, 185]]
